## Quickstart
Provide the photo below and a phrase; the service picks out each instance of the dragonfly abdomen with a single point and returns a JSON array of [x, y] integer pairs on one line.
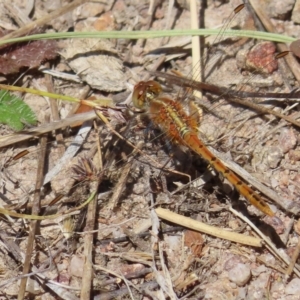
[[194, 143]]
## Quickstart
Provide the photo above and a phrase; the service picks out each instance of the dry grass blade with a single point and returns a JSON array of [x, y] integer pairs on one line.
[[71, 151], [199, 226]]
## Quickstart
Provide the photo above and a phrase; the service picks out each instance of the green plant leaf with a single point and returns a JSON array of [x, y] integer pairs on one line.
[[14, 112]]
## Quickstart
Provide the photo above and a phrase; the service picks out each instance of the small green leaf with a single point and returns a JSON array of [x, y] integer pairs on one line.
[[14, 112]]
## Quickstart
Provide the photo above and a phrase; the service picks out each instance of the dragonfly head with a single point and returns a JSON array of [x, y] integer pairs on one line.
[[144, 92]]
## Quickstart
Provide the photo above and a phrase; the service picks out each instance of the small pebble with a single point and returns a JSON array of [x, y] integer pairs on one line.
[[287, 140], [240, 274], [261, 58], [294, 155], [296, 12], [280, 9], [76, 266], [293, 288], [258, 270], [274, 157]]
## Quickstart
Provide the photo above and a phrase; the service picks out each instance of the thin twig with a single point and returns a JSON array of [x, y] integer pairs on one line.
[[87, 279], [212, 230], [35, 211]]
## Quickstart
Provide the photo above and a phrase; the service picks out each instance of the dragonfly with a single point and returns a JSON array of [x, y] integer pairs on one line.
[[171, 118]]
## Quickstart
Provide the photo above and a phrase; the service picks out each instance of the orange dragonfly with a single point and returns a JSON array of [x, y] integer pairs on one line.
[[171, 118]]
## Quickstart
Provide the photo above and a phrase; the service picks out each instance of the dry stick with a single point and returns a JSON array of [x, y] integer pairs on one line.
[[166, 285], [87, 279], [100, 167], [134, 274], [35, 211], [263, 110], [48, 18], [291, 61], [54, 110], [212, 230], [195, 47]]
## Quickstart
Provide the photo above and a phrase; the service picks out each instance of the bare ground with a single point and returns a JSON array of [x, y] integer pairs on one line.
[[121, 246]]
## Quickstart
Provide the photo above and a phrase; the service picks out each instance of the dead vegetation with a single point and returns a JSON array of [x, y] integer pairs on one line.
[[159, 222]]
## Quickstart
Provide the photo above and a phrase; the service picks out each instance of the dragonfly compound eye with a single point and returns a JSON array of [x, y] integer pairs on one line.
[[144, 92], [139, 95]]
